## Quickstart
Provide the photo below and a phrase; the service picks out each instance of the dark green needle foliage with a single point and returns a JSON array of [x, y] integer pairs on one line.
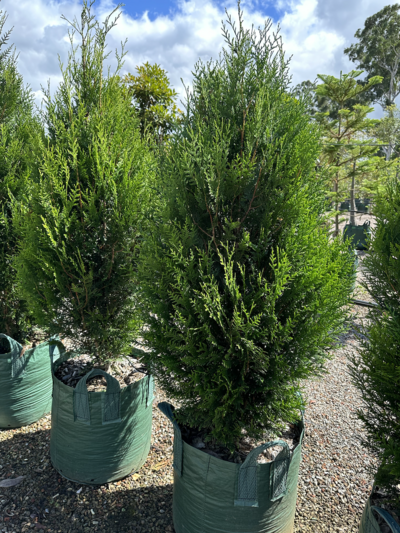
[[376, 372], [20, 137], [80, 230], [242, 290]]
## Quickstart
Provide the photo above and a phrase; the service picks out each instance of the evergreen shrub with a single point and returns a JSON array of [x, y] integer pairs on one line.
[[76, 264], [376, 370], [242, 290], [20, 137]]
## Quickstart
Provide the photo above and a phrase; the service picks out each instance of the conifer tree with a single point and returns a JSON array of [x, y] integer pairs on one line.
[[242, 289], [376, 371], [79, 233], [347, 152], [20, 137]]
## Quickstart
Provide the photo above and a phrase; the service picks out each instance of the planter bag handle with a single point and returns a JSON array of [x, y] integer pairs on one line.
[[167, 409], [54, 342], [247, 489], [17, 361], [111, 401], [388, 518], [150, 390]]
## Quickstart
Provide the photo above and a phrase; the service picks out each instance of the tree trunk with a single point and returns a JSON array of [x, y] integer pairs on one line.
[[352, 199], [389, 149], [336, 188]]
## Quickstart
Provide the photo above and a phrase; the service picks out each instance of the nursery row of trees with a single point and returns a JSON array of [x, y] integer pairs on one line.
[[361, 153], [204, 232]]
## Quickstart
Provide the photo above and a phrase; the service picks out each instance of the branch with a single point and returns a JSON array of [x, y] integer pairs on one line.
[[254, 195]]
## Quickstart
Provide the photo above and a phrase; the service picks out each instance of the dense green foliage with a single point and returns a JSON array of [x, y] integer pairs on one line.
[[154, 100], [81, 226], [242, 289], [376, 372], [20, 136], [378, 53]]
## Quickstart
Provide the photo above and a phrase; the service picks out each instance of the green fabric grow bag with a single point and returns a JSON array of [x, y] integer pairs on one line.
[[361, 207], [215, 496], [359, 235], [98, 437], [25, 382], [370, 525]]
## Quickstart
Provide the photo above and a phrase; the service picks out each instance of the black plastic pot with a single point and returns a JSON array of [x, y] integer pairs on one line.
[[344, 206], [216, 496], [99, 437], [358, 234]]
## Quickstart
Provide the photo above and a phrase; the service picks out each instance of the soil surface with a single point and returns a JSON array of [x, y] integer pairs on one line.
[[198, 439], [126, 371]]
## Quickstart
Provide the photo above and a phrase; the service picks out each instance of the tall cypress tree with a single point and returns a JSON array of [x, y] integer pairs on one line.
[[20, 136], [76, 264], [376, 371], [241, 287]]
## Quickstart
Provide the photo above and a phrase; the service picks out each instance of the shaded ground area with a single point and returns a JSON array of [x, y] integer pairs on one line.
[[46, 501]]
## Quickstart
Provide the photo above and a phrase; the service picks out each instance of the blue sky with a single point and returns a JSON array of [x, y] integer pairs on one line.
[[156, 8], [177, 33]]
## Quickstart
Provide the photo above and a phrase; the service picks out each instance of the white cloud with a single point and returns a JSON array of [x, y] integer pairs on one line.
[[315, 32], [313, 47]]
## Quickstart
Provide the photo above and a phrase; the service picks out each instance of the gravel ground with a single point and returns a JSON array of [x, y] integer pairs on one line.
[[334, 481], [333, 486]]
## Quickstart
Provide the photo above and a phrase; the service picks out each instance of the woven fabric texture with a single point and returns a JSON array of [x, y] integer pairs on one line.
[[99, 437], [26, 382], [215, 496]]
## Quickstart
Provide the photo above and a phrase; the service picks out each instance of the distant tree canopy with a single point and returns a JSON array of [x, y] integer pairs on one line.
[[320, 103], [378, 53], [153, 98], [346, 151]]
